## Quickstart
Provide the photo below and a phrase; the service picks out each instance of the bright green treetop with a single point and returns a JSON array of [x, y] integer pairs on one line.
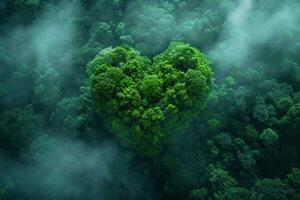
[[145, 102]]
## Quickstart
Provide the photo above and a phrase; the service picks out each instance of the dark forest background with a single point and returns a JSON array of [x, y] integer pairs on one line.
[[244, 146]]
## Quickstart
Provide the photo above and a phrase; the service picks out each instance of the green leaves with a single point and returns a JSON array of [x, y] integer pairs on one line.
[[294, 179], [151, 86], [269, 136], [144, 102], [269, 189]]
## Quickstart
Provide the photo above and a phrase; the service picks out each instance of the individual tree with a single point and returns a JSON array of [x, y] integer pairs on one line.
[[152, 29], [269, 136], [220, 179], [19, 127], [294, 179], [263, 112], [47, 91], [291, 121], [269, 189], [198, 194], [102, 32]]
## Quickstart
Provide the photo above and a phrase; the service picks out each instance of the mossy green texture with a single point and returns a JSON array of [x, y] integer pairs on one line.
[[145, 101]]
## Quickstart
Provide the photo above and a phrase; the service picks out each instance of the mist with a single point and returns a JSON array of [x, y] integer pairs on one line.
[[61, 169], [58, 141], [249, 26]]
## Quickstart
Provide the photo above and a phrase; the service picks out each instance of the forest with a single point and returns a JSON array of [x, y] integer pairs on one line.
[[150, 99]]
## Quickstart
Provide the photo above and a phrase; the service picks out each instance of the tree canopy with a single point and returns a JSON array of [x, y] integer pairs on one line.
[[150, 99], [145, 101]]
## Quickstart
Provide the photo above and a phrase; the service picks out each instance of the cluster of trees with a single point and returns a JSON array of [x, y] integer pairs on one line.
[[75, 70], [150, 100]]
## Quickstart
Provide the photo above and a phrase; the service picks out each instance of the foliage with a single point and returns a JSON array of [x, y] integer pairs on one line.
[[186, 129], [269, 189], [150, 101]]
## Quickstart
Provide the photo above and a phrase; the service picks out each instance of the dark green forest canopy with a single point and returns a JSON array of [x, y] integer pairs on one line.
[[116, 99]]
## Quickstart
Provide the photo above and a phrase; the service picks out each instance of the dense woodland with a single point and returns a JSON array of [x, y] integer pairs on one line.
[[136, 99]]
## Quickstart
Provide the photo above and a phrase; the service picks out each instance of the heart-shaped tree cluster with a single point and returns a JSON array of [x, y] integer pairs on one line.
[[144, 101]]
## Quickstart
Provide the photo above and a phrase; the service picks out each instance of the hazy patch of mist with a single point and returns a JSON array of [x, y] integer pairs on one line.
[[47, 39], [62, 169], [248, 26], [41, 54]]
